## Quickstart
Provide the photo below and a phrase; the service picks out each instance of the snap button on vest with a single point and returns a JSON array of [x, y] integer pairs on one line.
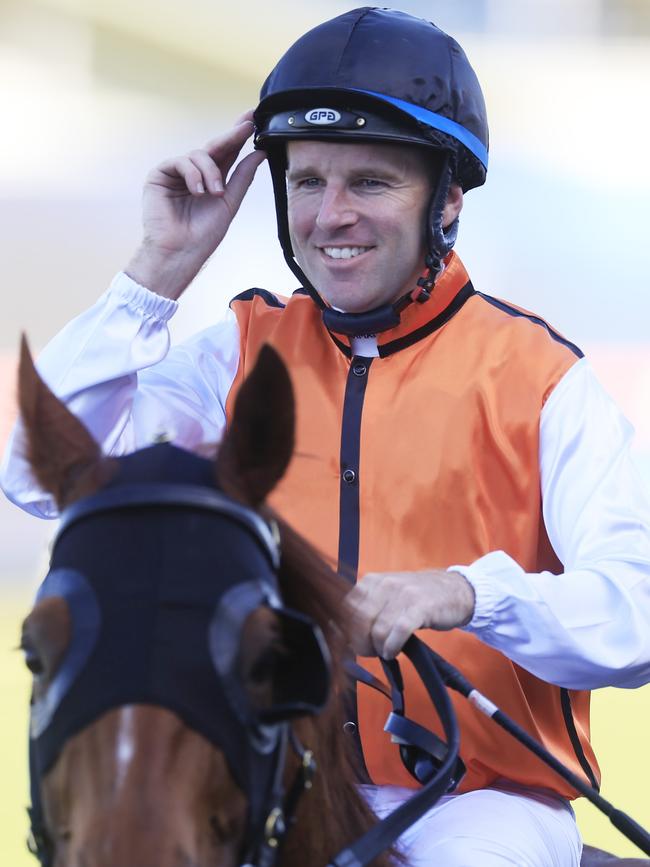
[[359, 369], [349, 727], [349, 476]]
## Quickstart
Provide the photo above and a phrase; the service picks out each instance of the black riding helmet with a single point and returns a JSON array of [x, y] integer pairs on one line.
[[375, 75]]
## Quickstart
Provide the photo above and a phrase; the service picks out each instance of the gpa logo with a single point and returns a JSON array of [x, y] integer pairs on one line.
[[322, 116]]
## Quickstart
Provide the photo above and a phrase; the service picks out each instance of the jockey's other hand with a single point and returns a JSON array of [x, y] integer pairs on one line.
[[388, 607]]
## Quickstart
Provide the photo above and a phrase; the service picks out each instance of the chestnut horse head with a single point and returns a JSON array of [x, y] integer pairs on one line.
[[172, 689]]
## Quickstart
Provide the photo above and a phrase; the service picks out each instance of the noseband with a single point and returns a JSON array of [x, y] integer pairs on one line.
[[159, 580]]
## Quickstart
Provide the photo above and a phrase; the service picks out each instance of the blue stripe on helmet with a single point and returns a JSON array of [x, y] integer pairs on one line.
[[437, 121]]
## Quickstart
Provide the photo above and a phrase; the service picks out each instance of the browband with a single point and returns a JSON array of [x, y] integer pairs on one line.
[[165, 494]]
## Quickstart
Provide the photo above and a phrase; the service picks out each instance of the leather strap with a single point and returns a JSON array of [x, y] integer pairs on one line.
[[385, 833]]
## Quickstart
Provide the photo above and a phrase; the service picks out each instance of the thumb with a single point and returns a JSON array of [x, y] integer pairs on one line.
[[241, 179]]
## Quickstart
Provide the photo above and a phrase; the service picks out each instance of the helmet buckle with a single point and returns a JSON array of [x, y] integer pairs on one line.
[[422, 291]]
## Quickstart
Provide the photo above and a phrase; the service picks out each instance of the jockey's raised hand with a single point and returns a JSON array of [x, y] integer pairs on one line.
[[188, 204]]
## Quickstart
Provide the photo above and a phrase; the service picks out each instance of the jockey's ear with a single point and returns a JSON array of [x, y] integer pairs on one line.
[[64, 457], [258, 444]]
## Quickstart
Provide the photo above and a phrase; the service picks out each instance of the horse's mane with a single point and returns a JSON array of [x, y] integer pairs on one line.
[[335, 813]]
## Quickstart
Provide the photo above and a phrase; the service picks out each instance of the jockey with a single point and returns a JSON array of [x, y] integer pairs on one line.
[[455, 454]]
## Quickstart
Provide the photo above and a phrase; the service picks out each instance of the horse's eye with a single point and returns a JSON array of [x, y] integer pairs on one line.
[[32, 660], [264, 668]]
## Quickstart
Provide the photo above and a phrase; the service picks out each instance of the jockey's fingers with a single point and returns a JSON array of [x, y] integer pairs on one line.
[[363, 589], [394, 641], [392, 634], [178, 174], [213, 180], [247, 115], [229, 158], [241, 179], [223, 146]]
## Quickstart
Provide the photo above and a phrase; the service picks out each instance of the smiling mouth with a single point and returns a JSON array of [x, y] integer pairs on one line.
[[344, 252]]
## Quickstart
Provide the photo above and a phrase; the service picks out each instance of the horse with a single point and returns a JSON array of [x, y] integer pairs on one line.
[[176, 755], [175, 780]]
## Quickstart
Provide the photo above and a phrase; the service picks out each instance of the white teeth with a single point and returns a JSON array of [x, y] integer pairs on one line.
[[344, 252]]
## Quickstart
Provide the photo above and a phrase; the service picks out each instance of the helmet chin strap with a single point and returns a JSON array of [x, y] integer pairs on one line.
[[440, 242]]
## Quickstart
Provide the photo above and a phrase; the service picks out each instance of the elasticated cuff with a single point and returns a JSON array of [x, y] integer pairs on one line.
[[484, 597], [140, 299]]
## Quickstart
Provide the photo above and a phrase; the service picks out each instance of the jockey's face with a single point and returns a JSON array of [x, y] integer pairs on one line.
[[357, 218]]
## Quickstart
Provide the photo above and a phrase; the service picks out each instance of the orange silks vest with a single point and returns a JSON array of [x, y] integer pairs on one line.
[[425, 457]]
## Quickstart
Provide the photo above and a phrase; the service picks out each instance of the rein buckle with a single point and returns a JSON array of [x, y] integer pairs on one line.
[[274, 828]]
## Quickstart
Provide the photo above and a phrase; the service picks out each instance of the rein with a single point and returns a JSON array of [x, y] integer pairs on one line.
[[631, 829], [432, 750], [443, 780]]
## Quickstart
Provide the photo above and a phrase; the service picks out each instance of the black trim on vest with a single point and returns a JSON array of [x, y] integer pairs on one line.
[[345, 349], [428, 328], [268, 297], [355, 391], [349, 517], [567, 712], [537, 320], [437, 322]]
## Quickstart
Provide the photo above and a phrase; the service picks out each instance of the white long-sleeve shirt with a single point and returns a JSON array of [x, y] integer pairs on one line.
[[114, 368]]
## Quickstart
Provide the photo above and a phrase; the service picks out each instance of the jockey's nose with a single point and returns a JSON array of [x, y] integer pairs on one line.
[[336, 209]]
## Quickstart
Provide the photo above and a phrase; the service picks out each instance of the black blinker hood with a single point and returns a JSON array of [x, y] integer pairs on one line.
[[159, 579]]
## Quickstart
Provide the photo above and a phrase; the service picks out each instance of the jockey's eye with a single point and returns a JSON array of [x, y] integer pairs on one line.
[[371, 183]]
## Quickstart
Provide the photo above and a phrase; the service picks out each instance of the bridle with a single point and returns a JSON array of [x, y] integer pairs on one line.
[[259, 767]]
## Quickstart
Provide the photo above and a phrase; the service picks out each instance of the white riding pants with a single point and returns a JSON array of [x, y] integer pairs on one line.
[[505, 824]]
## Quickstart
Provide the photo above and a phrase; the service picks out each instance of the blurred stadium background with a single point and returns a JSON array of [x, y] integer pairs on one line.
[[95, 93]]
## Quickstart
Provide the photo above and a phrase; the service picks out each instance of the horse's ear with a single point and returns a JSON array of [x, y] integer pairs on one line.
[[258, 444], [64, 457]]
